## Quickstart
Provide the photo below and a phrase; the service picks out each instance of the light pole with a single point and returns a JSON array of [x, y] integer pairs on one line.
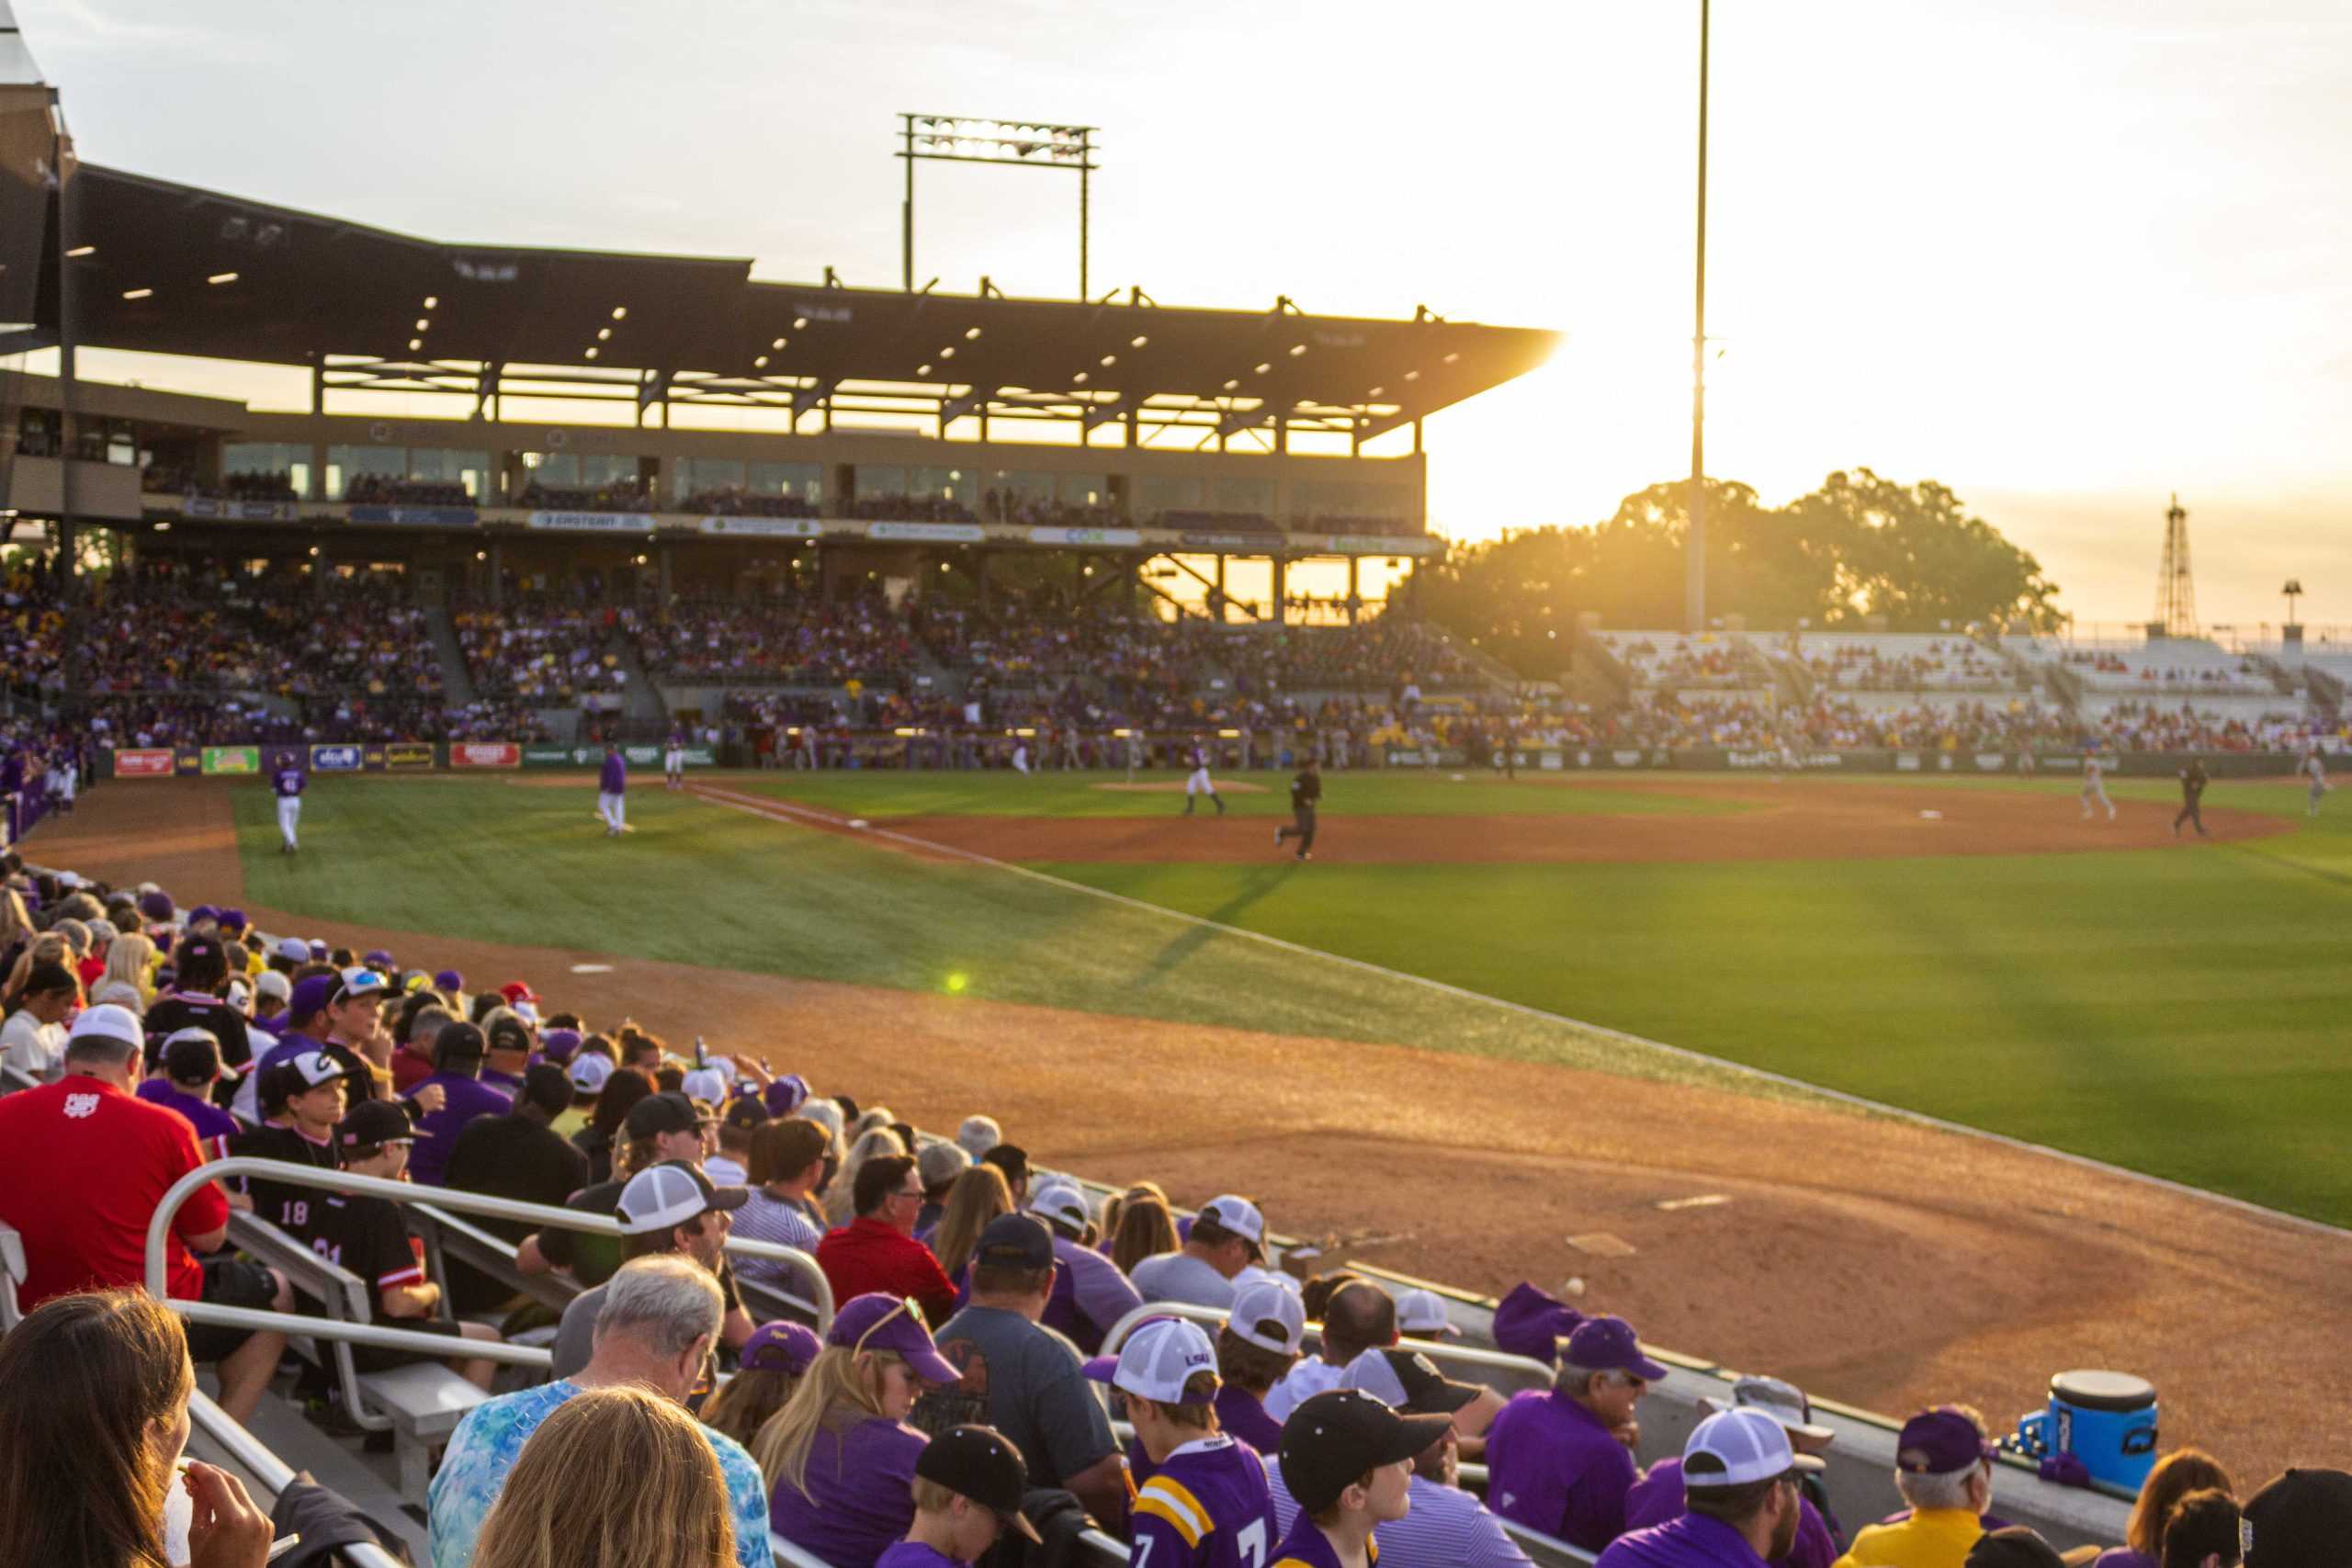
[[1694, 569], [964, 139], [2293, 590]]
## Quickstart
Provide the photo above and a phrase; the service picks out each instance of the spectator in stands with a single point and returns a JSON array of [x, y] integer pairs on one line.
[[1359, 1316], [939, 1164], [130, 965], [776, 1358], [666, 1208], [2300, 1519], [1013, 1161], [1256, 1346], [661, 1497], [877, 1251], [191, 1063], [303, 1099], [94, 1396], [1741, 1477], [1659, 1494], [507, 1040], [624, 1088], [659, 1129], [588, 1069], [1145, 1229], [2012, 1547], [1228, 1234], [2203, 1529], [787, 1163], [1562, 1462], [839, 1457], [1026, 1380], [1347, 1466], [875, 1142], [515, 1156], [657, 1327], [122, 1155], [968, 1487], [1197, 1482], [1089, 1293], [199, 971], [355, 1023], [457, 1052], [2174, 1476], [1943, 1468], [978, 1196], [34, 1035], [731, 1166]]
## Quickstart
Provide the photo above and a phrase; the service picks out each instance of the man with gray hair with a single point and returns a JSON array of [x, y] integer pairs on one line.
[[1944, 1467], [657, 1327], [1562, 1462], [978, 1134], [939, 1164]]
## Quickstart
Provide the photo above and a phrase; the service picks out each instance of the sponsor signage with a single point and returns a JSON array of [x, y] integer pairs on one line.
[[232, 759], [1906, 761], [186, 762], [1231, 541], [408, 755], [143, 762], [697, 756], [336, 758], [238, 511], [1774, 758], [591, 522], [1117, 536], [1991, 761], [417, 516], [485, 754], [1375, 544], [929, 533], [763, 528]]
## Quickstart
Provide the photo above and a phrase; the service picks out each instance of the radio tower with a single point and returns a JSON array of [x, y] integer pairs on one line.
[[2176, 590]]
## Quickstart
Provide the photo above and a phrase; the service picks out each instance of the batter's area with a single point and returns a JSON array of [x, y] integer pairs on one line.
[[1868, 1258]]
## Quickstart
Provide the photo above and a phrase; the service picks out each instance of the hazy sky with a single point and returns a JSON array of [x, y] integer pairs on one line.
[[2065, 256]]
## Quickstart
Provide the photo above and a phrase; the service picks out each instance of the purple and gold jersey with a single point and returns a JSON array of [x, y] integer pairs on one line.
[[1206, 1507]]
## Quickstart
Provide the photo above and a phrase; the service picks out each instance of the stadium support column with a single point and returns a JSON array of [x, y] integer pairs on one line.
[[69, 433], [662, 558], [1353, 563], [1278, 563], [322, 567], [497, 573], [1220, 588]]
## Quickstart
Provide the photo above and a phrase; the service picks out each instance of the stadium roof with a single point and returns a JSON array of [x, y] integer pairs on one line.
[[179, 269]]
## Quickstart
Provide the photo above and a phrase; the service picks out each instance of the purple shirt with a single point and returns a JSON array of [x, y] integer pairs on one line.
[[287, 783], [858, 1500], [497, 1079], [437, 1132], [1691, 1542], [1658, 1497], [1207, 1505], [209, 1119], [1243, 1413], [615, 778], [1304, 1546], [914, 1554], [1090, 1294], [2124, 1557], [1552, 1466]]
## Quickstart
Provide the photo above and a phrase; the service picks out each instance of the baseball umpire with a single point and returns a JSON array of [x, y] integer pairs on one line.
[[1305, 794], [2193, 780]]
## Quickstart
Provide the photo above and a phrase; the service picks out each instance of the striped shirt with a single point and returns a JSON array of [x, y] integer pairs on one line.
[[783, 1224], [1443, 1527]]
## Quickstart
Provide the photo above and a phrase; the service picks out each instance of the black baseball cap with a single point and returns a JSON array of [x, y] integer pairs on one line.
[[2300, 1520], [456, 1042], [668, 1112], [978, 1462], [509, 1033], [745, 1111], [375, 1121], [49, 976], [1013, 1241], [1331, 1439], [2016, 1547], [192, 1055], [1410, 1381], [1009, 1159]]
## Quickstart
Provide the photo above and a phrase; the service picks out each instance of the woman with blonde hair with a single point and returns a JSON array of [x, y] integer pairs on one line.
[[131, 959], [839, 1458], [2175, 1476], [841, 1203], [776, 1358], [980, 1195], [1146, 1229], [660, 1499]]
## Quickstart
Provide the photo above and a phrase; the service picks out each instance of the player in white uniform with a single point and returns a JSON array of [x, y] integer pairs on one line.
[[2095, 787], [674, 762], [2316, 771], [1199, 784], [1021, 756]]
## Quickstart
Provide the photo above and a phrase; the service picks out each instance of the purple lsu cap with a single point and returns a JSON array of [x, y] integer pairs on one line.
[[204, 912], [1940, 1442], [781, 1346], [448, 980], [786, 1095], [377, 958], [1531, 1322], [318, 950], [156, 906], [233, 920], [558, 1044], [310, 995], [1608, 1345], [880, 1321]]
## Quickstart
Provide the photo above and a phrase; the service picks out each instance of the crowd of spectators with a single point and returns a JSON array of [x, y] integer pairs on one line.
[[1866, 665], [1039, 512], [903, 508], [620, 495], [736, 501], [2109, 670], [544, 652], [391, 489], [797, 640]]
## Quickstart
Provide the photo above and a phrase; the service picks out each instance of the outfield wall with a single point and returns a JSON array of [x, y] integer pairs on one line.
[[376, 757], [1772, 759]]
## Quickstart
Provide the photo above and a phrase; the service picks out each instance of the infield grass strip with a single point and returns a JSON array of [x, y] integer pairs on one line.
[[699, 883]]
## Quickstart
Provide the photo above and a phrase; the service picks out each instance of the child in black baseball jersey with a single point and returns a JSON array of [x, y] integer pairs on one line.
[[368, 1236]]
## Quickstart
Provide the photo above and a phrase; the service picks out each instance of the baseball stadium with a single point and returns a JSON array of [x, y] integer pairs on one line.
[[1053, 722]]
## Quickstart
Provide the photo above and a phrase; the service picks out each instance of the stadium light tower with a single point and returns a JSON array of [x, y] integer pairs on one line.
[[1019, 144], [1694, 567]]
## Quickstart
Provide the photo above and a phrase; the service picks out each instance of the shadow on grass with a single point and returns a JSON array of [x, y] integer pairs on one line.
[[1193, 938]]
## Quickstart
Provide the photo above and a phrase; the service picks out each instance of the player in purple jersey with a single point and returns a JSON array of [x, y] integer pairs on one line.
[[1207, 1504], [610, 784], [286, 782]]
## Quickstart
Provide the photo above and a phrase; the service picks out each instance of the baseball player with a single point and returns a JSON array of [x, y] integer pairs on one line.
[[610, 784], [286, 782], [673, 761], [2193, 780], [2312, 768], [1306, 792], [1134, 753], [1021, 756], [1199, 783], [2095, 786]]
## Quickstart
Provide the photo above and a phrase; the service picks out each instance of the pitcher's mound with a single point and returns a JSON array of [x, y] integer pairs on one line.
[[1176, 786]]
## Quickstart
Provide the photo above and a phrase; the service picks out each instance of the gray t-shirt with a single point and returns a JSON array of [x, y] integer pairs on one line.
[[575, 1335], [1026, 1382], [1181, 1277]]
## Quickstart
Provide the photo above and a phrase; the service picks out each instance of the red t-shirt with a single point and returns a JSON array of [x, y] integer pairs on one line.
[[82, 1167], [409, 1070], [869, 1255]]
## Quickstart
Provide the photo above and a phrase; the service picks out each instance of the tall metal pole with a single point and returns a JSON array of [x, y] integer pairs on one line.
[[906, 208], [69, 433], [1085, 174], [1694, 579]]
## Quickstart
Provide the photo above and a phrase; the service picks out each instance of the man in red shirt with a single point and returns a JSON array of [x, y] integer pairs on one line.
[[83, 1165], [877, 1251]]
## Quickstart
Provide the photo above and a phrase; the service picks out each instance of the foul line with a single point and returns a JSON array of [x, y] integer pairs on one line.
[[787, 812]]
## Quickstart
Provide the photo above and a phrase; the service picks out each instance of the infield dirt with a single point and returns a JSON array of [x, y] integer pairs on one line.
[[1871, 1259]]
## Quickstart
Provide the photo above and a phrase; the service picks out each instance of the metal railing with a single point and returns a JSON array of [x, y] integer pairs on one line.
[[275, 1474], [1520, 1371]]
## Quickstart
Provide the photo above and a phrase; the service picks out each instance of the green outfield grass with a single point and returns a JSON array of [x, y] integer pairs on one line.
[[2178, 1012]]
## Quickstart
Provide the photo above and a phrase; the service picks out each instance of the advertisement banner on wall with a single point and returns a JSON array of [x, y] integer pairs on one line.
[[336, 759], [485, 754], [239, 511], [232, 759], [763, 528], [929, 533], [591, 522], [417, 516], [697, 756], [1118, 537], [406, 756], [143, 762], [186, 762]]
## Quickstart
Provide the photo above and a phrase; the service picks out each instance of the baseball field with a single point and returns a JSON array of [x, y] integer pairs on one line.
[[1421, 1046]]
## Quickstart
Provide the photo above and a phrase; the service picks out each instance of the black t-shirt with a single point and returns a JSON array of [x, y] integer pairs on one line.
[[290, 1209], [181, 1009], [593, 1259], [1305, 789], [368, 1236], [514, 1156], [597, 1145]]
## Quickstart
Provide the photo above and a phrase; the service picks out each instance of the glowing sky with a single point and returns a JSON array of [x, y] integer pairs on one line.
[[2065, 255]]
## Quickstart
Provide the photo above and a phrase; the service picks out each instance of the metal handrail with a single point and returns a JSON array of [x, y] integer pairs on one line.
[[288, 1175], [275, 1474], [1436, 1349]]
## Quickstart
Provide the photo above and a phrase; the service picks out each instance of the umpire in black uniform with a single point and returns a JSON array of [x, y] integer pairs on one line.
[[1305, 791], [2193, 796]]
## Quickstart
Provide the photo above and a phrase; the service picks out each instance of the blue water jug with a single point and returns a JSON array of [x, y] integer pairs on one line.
[[2106, 1419]]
